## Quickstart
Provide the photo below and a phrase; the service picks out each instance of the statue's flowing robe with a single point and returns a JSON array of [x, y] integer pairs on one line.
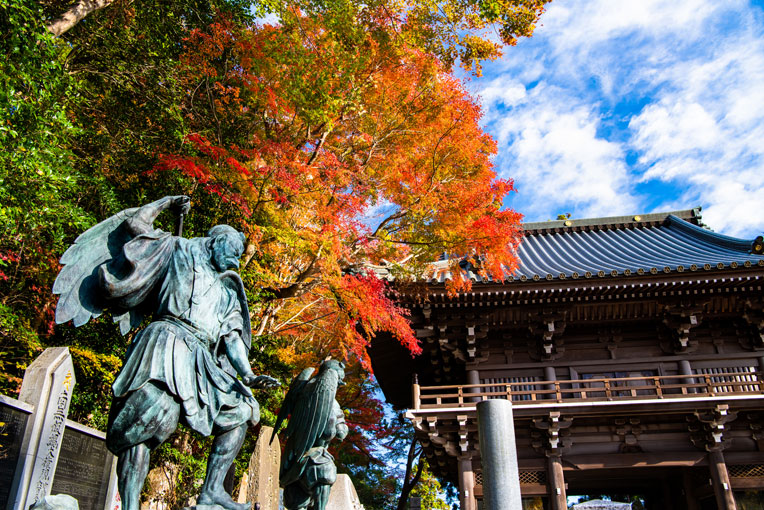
[[182, 349]]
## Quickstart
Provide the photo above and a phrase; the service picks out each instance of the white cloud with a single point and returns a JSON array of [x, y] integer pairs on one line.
[[612, 100], [706, 131], [551, 148]]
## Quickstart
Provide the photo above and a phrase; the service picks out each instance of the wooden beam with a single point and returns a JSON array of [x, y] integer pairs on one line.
[[635, 460]]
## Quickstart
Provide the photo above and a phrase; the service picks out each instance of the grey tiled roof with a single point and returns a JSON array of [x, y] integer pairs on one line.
[[621, 246]]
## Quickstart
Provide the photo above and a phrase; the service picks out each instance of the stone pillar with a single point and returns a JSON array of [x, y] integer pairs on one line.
[[720, 480], [501, 482], [47, 385], [473, 377], [263, 473], [556, 482], [466, 484], [550, 374]]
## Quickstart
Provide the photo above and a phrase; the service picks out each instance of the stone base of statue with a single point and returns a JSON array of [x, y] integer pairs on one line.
[[57, 502], [204, 507]]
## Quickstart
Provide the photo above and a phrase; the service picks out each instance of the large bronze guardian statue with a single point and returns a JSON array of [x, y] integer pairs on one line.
[[315, 418], [182, 367]]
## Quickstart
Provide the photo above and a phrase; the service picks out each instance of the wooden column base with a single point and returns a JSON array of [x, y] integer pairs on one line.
[[556, 482], [466, 485]]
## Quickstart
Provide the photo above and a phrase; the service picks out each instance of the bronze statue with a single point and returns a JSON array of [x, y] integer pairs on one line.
[[315, 418], [183, 366]]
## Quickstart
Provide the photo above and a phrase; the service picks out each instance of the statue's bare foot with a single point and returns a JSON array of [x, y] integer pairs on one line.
[[223, 499]]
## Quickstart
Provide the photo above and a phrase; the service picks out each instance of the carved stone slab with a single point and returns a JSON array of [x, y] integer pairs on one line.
[[48, 384], [85, 468], [263, 474], [13, 423]]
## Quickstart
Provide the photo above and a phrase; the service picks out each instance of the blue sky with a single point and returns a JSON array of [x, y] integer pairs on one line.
[[620, 107]]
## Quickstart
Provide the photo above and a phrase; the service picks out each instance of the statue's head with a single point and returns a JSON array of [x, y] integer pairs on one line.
[[337, 366], [226, 245]]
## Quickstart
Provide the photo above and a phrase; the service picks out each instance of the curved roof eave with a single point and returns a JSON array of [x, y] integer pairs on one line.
[[655, 243]]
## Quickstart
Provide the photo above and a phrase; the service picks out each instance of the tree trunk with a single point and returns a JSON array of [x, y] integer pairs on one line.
[[409, 484], [75, 14]]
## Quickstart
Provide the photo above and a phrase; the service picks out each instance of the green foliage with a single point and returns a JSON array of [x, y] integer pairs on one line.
[[182, 462], [41, 193], [18, 344], [430, 490]]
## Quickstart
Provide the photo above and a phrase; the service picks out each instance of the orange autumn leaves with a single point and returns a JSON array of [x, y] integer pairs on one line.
[[339, 157]]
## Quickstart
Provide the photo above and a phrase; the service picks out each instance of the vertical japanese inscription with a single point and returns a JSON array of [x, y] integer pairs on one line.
[[52, 443]]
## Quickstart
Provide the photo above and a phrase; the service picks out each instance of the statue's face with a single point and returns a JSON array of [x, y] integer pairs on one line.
[[226, 251]]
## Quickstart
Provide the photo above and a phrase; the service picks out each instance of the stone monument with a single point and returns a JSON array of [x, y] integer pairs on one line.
[[39, 443], [315, 418], [185, 365], [343, 495], [263, 474], [47, 385], [85, 468]]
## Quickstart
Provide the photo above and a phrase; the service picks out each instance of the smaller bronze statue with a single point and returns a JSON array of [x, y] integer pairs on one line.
[[190, 364], [315, 418]]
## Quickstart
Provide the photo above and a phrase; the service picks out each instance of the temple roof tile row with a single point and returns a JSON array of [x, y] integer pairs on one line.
[[620, 247]]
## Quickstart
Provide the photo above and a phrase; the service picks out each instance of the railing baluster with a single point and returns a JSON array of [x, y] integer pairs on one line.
[[613, 389]]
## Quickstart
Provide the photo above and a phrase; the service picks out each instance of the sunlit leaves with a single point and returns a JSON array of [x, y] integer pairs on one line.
[[305, 136]]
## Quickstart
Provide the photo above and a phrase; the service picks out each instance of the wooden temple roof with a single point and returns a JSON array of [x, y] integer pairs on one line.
[[620, 246], [598, 270]]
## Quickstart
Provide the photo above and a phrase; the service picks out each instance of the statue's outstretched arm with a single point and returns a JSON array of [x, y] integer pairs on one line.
[[142, 221], [237, 355]]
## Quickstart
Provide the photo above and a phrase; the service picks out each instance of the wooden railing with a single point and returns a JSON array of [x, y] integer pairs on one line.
[[589, 390]]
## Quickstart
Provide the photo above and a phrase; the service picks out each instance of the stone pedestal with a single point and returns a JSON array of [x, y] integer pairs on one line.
[[263, 474], [57, 502], [47, 385], [501, 478]]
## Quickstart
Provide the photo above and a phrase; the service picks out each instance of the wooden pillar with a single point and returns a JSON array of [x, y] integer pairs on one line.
[[473, 377], [550, 375], [467, 499], [689, 491], [666, 495], [556, 483], [686, 369], [720, 480]]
